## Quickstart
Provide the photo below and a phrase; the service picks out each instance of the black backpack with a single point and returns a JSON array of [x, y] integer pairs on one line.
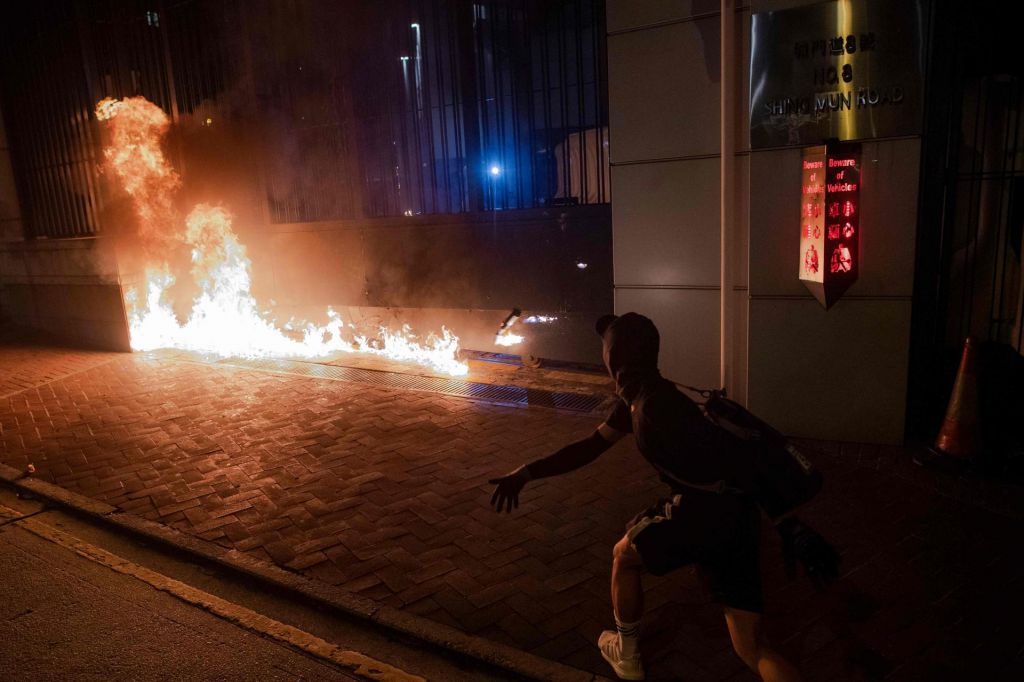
[[777, 474]]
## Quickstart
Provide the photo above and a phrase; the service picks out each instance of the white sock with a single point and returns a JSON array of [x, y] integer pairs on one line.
[[629, 635]]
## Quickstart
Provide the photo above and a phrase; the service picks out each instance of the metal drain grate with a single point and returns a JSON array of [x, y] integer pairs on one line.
[[507, 395]]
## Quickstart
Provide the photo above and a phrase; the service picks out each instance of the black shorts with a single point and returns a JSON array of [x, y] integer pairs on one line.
[[719, 533]]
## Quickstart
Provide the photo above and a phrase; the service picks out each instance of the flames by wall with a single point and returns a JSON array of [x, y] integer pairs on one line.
[[223, 318]]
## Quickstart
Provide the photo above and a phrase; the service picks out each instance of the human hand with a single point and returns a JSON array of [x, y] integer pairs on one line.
[[506, 494], [801, 543]]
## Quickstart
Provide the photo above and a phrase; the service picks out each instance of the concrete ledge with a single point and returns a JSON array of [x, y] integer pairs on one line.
[[54, 493], [407, 625], [494, 654]]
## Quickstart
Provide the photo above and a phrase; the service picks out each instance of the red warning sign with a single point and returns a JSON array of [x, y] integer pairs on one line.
[[830, 220]]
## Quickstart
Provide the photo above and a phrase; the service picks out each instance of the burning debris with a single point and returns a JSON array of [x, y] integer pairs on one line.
[[505, 337], [225, 318]]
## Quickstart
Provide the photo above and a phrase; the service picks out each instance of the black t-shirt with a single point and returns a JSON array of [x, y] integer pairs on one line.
[[674, 436]]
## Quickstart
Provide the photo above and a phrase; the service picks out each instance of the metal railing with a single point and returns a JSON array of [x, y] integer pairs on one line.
[[346, 110], [440, 106], [985, 214], [968, 278], [47, 107]]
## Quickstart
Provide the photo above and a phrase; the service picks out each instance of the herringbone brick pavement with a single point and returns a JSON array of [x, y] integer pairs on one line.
[[384, 493], [23, 366]]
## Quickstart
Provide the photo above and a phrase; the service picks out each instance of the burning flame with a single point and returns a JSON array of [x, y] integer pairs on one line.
[[225, 319], [506, 338], [134, 153]]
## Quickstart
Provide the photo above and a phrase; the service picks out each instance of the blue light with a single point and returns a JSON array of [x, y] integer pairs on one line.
[[495, 170]]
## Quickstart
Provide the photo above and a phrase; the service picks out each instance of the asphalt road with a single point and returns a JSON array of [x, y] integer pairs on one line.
[[64, 617]]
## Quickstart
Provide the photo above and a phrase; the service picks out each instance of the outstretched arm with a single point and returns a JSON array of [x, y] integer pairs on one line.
[[575, 455], [569, 458]]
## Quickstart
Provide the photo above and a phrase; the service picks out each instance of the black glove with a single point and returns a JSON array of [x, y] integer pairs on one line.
[[801, 543], [507, 492]]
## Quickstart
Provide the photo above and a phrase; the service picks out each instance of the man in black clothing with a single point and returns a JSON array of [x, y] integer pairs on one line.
[[708, 519]]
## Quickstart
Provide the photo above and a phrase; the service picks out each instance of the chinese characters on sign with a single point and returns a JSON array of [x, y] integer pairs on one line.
[[830, 220], [833, 46], [836, 70]]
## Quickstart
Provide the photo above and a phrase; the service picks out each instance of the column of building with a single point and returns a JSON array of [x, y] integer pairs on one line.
[[664, 68]]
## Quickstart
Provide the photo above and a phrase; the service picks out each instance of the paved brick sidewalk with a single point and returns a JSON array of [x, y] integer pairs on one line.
[[24, 366], [384, 493]]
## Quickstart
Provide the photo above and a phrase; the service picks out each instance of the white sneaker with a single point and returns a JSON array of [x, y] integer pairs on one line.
[[631, 668]]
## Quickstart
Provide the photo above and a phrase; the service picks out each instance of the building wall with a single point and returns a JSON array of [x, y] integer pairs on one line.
[[10, 222], [664, 100], [65, 290], [10, 213], [839, 374], [853, 358], [842, 373], [465, 272]]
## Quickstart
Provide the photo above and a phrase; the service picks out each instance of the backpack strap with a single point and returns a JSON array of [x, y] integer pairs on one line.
[[719, 487], [705, 393]]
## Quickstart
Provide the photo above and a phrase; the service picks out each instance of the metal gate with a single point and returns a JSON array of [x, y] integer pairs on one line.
[[969, 251], [330, 110]]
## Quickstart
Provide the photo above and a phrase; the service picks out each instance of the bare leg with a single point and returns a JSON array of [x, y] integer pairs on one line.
[[627, 590], [750, 645]]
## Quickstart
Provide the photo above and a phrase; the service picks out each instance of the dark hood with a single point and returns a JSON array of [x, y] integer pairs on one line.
[[630, 349]]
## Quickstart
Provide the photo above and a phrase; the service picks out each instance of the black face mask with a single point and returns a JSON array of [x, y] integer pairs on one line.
[[630, 351]]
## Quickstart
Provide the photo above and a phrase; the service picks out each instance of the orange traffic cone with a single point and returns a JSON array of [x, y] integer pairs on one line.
[[958, 436]]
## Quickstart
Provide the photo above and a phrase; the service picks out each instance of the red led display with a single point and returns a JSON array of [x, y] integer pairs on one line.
[[812, 212], [830, 220]]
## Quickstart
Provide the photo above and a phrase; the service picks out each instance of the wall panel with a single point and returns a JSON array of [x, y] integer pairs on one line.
[[688, 323], [663, 91], [838, 375], [665, 222]]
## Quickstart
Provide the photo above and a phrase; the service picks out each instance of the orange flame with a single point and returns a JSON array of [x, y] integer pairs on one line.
[[225, 318], [506, 338], [136, 127]]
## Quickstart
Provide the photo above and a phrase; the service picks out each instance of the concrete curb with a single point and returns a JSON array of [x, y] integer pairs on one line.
[[384, 617]]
